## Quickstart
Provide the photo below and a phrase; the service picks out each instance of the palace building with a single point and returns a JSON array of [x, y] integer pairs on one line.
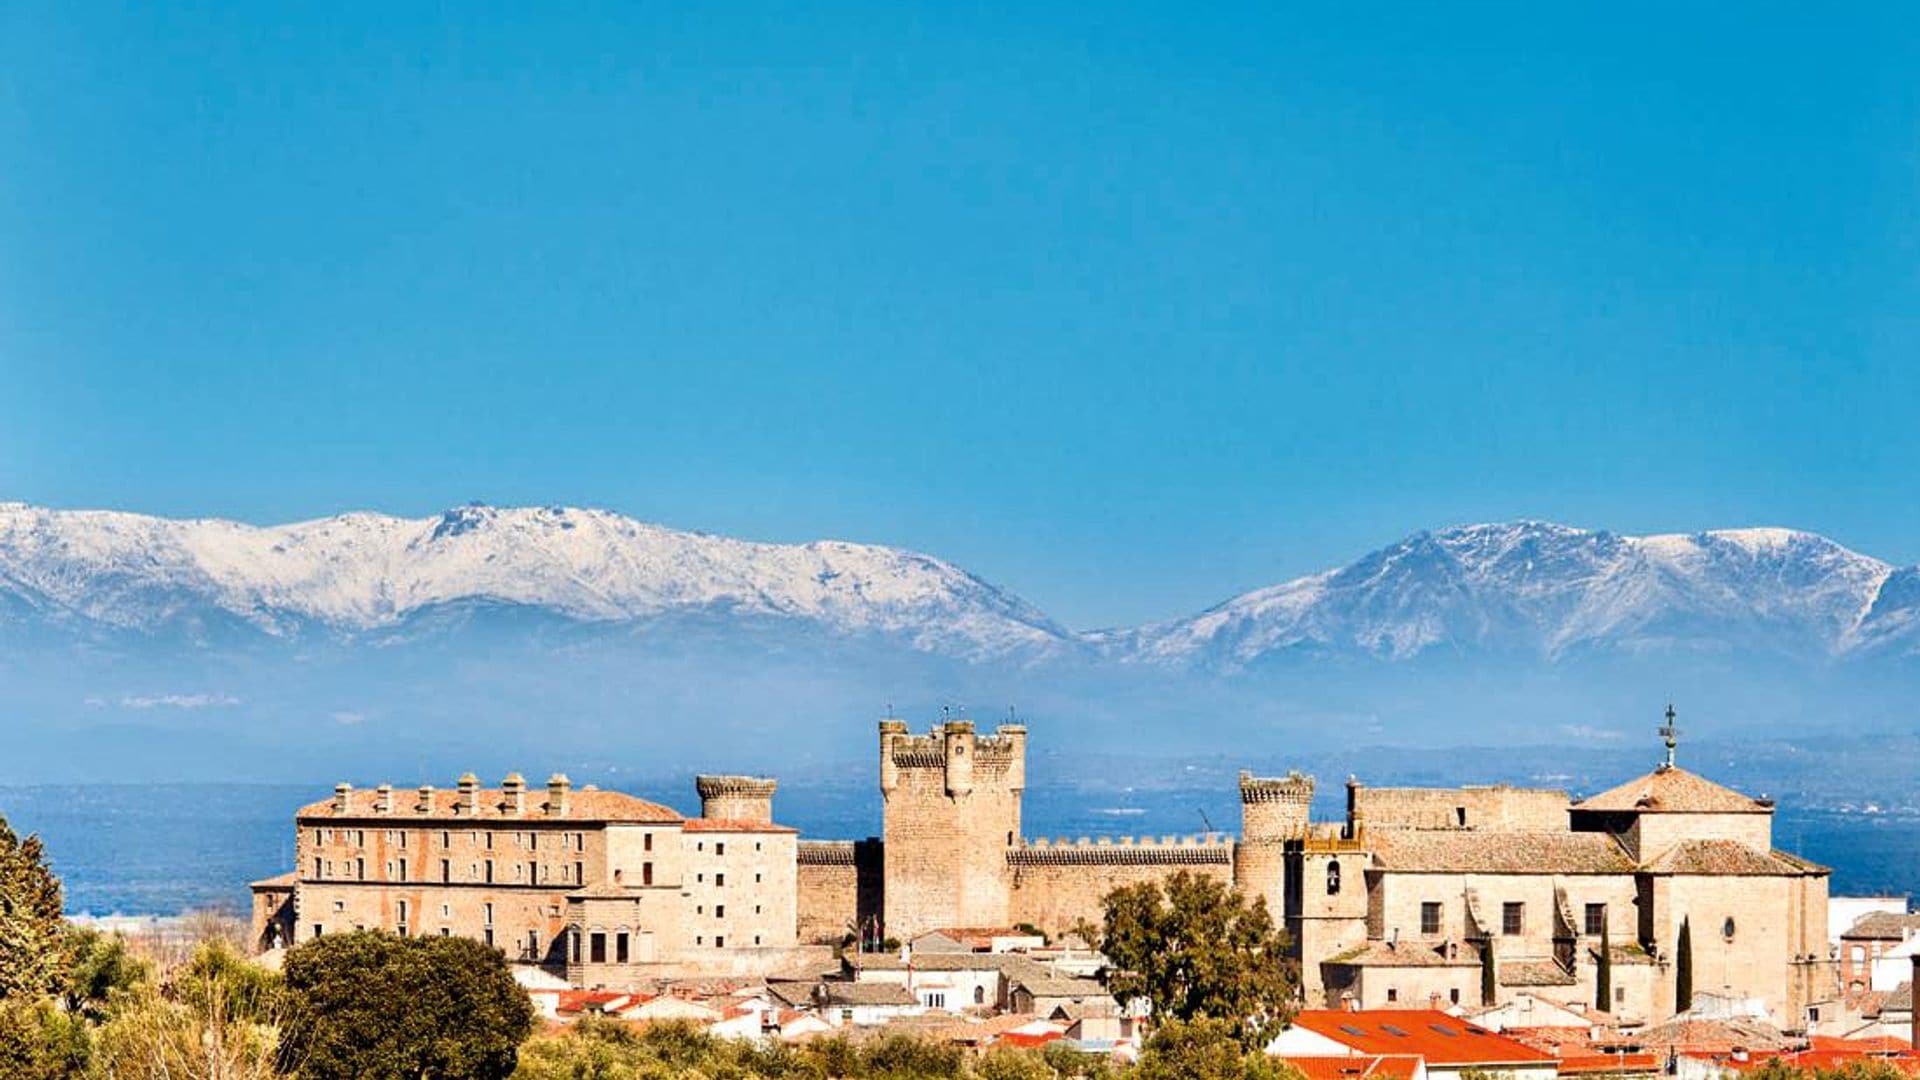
[[604, 886]]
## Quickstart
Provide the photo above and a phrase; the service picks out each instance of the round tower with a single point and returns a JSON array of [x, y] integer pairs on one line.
[[736, 798], [1273, 812]]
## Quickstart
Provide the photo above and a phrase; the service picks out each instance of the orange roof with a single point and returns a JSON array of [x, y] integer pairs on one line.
[[1586, 1064], [1029, 1040], [747, 825], [1429, 1033], [581, 806], [1673, 790], [1873, 1044], [1357, 1066], [1827, 1060]]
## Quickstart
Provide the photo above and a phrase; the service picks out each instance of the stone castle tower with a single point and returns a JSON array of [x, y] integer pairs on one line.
[[951, 813], [736, 798], [1273, 820]]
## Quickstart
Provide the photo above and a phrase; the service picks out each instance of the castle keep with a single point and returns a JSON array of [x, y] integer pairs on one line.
[[1414, 897]]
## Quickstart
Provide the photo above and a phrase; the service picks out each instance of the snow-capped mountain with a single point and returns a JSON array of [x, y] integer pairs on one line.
[[363, 572], [1534, 588]]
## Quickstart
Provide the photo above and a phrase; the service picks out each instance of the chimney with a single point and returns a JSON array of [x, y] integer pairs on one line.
[[469, 803], [426, 799], [341, 791], [557, 786], [383, 798], [514, 788]]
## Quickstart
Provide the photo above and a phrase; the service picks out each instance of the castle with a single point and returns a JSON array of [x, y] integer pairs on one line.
[[1417, 897]]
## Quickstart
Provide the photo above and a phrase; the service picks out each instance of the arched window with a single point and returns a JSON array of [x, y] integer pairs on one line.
[[1333, 878], [979, 995], [1726, 930]]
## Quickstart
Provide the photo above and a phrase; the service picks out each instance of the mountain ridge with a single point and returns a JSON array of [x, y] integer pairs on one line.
[[1531, 587]]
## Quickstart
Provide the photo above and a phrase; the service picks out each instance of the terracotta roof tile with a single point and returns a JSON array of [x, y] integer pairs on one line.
[[1674, 791], [1726, 858], [1499, 852], [734, 825], [1436, 1036], [1356, 1066], [1883, 926], [610, 806]]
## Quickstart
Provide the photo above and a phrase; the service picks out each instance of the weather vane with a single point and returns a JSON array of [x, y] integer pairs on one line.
[[1670, 734]]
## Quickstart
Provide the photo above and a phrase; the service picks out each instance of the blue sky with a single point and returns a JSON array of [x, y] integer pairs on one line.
[[1128, 310]]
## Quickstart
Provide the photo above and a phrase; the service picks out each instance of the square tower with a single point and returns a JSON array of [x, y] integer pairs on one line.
[[951, 812]]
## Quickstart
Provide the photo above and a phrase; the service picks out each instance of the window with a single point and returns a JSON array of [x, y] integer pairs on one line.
[[579, 873], [401, 910], [446, 870], [1453, 995], [444, 932], [402, 839], [756, 844], [318, 929], [360, 871], [487, 913], [446, 838], [403, 869], [719, 911], [533, 873], [486, 937], [533, 943], [1430, 918], [489, 842], [1596, 919], [597, 948], [646, 841], [533, 841], [719, 847], [701, 878], [446, 911], [1619, 995], [756, 879], [620, 947], [1460, 816], [1333, 878], [979, 995], [719, 881], [489, 878], [936, 1000], [339, 905], [719, 943], [1393, 994], [756, 941], [319, 870], [1513, 918], [1726, 929], [646, 873]]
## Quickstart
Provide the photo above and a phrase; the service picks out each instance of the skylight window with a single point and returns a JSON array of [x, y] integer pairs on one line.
[[1392, 1030], [1351, 1030], [1444, 1030]]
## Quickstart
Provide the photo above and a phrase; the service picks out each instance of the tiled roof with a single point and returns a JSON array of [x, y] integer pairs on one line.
[[1726, 858], [1051, 986], [1013, 965], [277, 881], [1357, 1066], [1702, 1036], [1607, 1064], [1883, 926], [1441, 1039], [1533, 973], [734, 825], [614, 806], [1499, 852], [867, 993], [1408, 954], [1674, 791]]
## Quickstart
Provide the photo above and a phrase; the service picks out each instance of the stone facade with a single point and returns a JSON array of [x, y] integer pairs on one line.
[[607, 887]]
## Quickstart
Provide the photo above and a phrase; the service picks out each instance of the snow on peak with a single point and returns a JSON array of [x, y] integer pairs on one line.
[[363, 571]]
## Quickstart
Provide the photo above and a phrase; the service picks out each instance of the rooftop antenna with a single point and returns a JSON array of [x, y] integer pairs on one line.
[[1670, 734], [1205, 820]]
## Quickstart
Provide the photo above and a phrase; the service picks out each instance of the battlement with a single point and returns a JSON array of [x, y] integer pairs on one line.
[[1124, 850], [825, 853], [1295, 787], [713, 787], [1007, 744]]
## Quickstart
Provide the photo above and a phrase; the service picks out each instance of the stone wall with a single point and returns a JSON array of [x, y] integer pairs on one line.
[[1056, 884], [840, 888], [1495, 807]]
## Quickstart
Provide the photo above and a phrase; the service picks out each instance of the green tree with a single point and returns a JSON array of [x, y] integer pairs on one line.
[[1196, 949], [100, 971], [1489, 975], [1603, 974], [1683, 969], [1205, 1049], [32, 960], [374, 1006], [40, 1042]]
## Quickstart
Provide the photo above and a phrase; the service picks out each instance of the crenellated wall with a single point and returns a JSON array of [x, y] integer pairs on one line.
[[840, 885], [952, 809], [1059, 883]]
